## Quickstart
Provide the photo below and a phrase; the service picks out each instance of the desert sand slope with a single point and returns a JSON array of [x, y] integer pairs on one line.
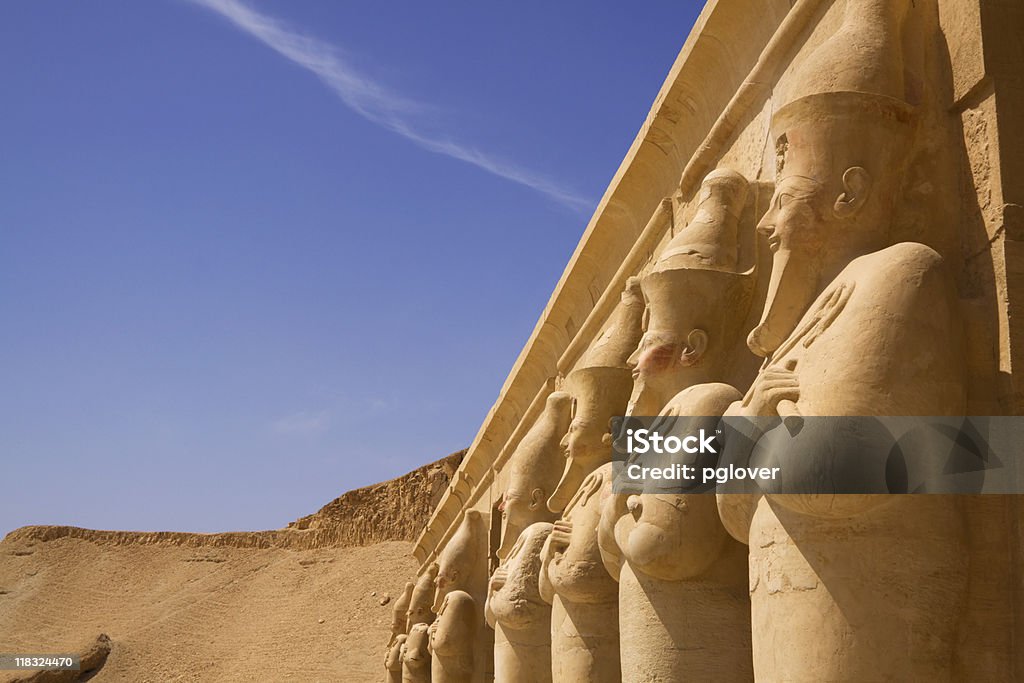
[[296, 604], [178, 613]]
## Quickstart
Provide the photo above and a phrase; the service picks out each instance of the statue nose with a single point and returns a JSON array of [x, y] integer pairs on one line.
[[634, 505]]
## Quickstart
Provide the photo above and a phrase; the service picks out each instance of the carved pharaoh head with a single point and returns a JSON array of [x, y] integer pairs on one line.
[[393, 660], [841, 145], [696, 301], [453, 642], [416, 655], [400, 612], [599, 387], [535, 468], [422, 598], [462, 564]]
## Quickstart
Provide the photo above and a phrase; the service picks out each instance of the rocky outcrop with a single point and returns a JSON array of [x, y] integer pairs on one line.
[[394, 510]]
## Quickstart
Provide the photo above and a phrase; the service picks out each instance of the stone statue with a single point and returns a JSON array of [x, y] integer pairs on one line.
[[683, 603], [400, 613], [520, 617], [583, 596], [599, 386], [462, 564], [453, 638], [846, 587], [422, 599], [696, 300], [459, 635], [416, 655], [535, 467], [584, 627], [393, 659]]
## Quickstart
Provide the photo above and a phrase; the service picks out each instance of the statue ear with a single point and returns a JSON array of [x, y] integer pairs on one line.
[[537, 498], [696, 345], [856, 188]]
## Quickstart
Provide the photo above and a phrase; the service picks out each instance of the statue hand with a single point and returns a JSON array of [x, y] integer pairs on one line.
[[561, 535], [771, 388], [498, 579]]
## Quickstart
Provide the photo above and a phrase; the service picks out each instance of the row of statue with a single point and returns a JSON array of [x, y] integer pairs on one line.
[[600, 586]]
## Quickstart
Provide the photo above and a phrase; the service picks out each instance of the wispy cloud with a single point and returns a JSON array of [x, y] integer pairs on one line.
[[302, 423], [375, 102]]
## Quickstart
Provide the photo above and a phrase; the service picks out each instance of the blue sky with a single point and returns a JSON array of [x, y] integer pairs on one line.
[[255, 254]]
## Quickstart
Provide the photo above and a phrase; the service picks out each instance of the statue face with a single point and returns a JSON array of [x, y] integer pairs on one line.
[[793, 222], [422, 599], [519, 509], [654, 364], [671, 536], [598, 394], [419, 614], [647, 539], [416, 655], [399, 621], [393, 662], [584, 440], [794, 227], [585, 445], [447, 577], [657, 353], [517, 602]]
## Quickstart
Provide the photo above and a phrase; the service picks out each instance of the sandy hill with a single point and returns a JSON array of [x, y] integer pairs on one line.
[[301, 603]]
